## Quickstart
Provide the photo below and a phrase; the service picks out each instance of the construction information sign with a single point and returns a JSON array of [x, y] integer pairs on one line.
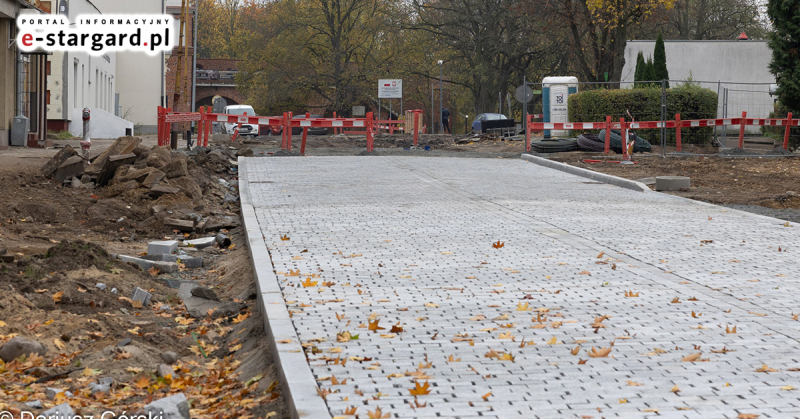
[[390, 89]]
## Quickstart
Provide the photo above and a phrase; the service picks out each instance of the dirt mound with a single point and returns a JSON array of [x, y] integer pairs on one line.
[[735, 151], [779, 151], [67, 256]]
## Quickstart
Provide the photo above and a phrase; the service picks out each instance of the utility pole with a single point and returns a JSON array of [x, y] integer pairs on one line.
[[441, 127]]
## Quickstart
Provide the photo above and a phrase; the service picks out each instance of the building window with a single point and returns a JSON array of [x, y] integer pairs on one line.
[[75, 85], [47, 67], [30, 91], [48, 97]]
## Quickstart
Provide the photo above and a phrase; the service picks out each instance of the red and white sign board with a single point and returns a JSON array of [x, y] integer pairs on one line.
[[390, 89]]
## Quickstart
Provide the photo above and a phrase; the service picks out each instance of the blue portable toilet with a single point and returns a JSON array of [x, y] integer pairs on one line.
[[555, 107]]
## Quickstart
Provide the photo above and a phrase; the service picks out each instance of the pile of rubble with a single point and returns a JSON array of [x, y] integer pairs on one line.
[[186, 191]]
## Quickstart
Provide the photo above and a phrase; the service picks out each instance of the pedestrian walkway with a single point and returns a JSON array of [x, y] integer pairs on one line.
[[505, 289]]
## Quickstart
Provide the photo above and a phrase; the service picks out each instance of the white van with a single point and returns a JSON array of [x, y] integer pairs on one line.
[[247, 129]]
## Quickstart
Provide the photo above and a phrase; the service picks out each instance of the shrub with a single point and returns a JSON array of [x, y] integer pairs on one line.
[[777, 133], [688, 99]]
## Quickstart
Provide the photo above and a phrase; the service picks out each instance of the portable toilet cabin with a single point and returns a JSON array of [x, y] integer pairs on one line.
[[555, 91]]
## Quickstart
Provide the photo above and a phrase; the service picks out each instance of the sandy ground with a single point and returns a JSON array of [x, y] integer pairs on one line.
[[62, 241]]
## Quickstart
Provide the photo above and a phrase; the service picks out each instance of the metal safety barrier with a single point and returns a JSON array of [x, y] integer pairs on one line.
[[676, 124], [205, 119]]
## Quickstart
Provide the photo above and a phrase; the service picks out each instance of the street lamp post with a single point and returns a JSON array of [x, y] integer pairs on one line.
[[441, 127]]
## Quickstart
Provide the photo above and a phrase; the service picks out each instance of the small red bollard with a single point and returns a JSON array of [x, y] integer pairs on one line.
[[528, 134], [786, 133], [624, 133], [741, 129], [369, 133], [678, 132], [608, 135]]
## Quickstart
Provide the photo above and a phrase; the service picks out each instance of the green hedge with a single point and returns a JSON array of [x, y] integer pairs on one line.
[[644, 104]]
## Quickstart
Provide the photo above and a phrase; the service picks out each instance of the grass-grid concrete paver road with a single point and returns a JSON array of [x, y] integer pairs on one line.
[[408, 241]]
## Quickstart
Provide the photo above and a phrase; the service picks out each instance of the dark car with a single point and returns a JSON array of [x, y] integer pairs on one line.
[[477, 124], [312, 130]]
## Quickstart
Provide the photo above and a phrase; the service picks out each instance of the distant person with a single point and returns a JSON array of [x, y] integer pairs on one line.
[[446, 120]]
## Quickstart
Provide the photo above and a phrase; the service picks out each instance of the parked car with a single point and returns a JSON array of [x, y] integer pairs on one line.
[[246, 129], [313, 130], [270, 130], [478, 122]]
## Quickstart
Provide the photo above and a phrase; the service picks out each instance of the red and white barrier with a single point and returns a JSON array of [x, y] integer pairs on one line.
[[676, 124]]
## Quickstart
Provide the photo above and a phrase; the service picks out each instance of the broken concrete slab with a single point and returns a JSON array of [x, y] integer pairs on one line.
[[50, 167], [163, 267], [21, 346], [200, 307], [153, 178], [118, 189], [72, 166], [218, 223], [182, 225], [123, 145], [172, 407], [141, 295], [158, 190], [205, 293], [62, 411], [163, 247], [176, 168], [185, 289], [113, 163], [51, 393]]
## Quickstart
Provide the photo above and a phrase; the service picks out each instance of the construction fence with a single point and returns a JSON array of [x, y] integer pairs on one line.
[[693, 100]]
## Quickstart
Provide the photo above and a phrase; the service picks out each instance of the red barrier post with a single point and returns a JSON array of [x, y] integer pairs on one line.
[[741, 130], [305, 133], [528, 134], [209, 123], [286, 131], [624, 133], [237, 129], [335, 130], [608, 135], [162, 126], [416, 128], [201, 125], [678, 132], [289, 135], [158, 125], [786, 133], [369, 132]]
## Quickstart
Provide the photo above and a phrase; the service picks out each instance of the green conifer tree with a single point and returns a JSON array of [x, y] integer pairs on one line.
[[660, 61], [784, 41]]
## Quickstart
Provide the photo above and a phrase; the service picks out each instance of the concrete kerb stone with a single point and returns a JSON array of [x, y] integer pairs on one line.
[[600, 177], [163, 267], [297, 380], [166, 247], [188, 261]]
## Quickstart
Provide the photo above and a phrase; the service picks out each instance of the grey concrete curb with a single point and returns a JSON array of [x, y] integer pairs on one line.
[[297, 381], [630, 184], [600, 177]]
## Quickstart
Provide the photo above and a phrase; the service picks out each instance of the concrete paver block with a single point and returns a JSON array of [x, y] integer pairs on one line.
[[358, 233], [672, 183], [164, 247], [141, 295]]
